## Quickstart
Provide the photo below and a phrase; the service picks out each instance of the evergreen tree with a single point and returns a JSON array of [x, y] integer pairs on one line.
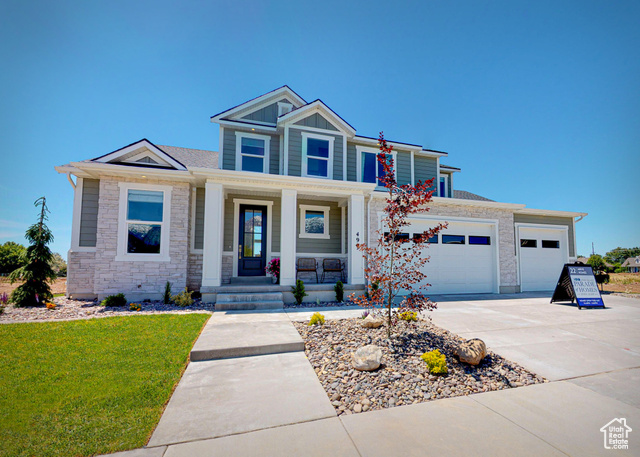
[[37, 272]]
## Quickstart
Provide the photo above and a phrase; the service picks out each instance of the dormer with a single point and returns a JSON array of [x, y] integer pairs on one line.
[[445, 181]]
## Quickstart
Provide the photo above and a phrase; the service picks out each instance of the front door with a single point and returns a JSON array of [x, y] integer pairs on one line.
[[252, 251]]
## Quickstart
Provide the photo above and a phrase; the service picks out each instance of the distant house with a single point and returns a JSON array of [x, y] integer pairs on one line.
[[632, 264]]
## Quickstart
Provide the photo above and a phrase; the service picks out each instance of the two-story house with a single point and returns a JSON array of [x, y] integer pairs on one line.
[[291, 179]]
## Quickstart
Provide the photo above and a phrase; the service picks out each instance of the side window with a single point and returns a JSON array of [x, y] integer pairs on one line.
[[443, 191], [252, 152], [144, 221], [370, 168]]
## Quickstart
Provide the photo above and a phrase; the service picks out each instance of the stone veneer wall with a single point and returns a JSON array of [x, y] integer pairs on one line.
[[139, 280], [227, 268], [80, 276], [506, 234], [194, 271]]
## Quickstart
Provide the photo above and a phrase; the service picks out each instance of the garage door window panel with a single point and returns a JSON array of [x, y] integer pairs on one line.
[[528, 243], [550, 244], [453, 239], [432, 240], [480, 240]]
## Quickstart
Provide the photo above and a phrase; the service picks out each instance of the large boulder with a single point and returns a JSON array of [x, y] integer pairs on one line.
[[471, 351], [371, 322], [367, 358]]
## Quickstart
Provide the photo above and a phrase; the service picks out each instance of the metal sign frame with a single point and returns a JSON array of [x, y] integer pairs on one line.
[[577, 283]]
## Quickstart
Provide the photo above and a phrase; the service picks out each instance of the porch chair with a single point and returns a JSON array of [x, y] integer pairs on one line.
[[332, 265], [307, 264]]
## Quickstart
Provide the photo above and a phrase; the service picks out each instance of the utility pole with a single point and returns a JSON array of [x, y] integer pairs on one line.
[[593, 251]]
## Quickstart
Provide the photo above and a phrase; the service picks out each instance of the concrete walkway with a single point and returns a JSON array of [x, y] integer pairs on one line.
[[274, 405]]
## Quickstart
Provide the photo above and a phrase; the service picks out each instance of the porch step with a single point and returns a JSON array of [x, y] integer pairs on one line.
[[249, 301], [252, 280]]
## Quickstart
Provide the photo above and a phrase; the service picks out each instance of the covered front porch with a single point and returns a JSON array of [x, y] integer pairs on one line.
[[249, 222]]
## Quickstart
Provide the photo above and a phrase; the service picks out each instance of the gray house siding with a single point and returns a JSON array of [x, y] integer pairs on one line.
[[352, 167], [425, 168], [295, 154], [550, 220], [198, 223], [403, 167], [89, 212], [321, 246], [267, 114], [229, 151], [318, 121]]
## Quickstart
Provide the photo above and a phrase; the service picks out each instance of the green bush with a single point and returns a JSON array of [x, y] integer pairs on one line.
[[114, 300], [339, 288], [316, 319], [298, 291], [166, 297], [436, 362], [183, 298], [408, 316]]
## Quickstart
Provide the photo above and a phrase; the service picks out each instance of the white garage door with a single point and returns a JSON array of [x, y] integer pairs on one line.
[[463, 260], [542, 253]]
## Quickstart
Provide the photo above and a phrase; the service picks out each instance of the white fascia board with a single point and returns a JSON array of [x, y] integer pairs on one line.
[[265, 100], [550, 212], [445, 169], [317, 107], [247, 179], [94, 169], [248, 126], [140, 144], [374, 142], [66, 169], [463, 202]]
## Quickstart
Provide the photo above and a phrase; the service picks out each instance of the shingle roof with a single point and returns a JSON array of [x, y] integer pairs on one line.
[[631, 262], [191, 158], [464, 195]]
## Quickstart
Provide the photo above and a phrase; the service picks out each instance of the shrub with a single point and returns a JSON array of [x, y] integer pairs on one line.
[[408, 316], [364, 314], [316, 319], [339, 288], [183, 298], [166, 297], [134, 307], [436, 362], [4, 299], [298, 291], [114, 300]]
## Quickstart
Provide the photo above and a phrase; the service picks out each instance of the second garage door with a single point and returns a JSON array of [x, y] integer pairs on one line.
[[463, 258], [542, 253]]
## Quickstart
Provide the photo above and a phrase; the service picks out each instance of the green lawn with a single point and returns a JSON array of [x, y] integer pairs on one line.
[[88, 387]]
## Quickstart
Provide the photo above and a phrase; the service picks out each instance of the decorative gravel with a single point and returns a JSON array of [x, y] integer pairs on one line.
[[67, 309], [403, 377]]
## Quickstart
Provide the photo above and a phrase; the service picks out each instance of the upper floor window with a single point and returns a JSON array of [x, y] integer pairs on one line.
[[252, 152], [369, 167], [317, 155], [444, 186], [143, 222]]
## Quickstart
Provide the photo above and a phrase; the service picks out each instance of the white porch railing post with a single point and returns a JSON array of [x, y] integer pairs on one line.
[[356, 231], [288, 237]]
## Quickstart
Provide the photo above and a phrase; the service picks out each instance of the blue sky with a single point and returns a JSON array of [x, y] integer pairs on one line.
[[537, 102]]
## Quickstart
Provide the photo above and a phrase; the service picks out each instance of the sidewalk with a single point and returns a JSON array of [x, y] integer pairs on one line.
[[274, 405]]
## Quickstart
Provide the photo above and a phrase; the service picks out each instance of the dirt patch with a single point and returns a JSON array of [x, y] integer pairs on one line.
[[59, 286], [628, 283]]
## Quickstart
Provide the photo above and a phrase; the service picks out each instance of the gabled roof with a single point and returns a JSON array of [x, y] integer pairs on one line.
[[464, 195], [447, 168], [163, 159], [318, 106], [284, 91], [193, 158], [632, 262]]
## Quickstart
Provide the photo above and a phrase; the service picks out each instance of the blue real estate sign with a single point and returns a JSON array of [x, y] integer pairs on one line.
[[585, 287]]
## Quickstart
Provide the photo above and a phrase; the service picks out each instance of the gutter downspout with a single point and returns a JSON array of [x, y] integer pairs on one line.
[[71, 180]]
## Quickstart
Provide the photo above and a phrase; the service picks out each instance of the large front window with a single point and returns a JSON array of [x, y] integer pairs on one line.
[[252, 152], [143, 222], [317, 151], [314, 221]]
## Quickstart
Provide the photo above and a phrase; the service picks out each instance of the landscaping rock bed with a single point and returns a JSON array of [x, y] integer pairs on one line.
[[403, 378], [67, 309]]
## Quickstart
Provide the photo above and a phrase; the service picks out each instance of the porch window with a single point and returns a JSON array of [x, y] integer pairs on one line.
[[317, 155], [314, 221], [252, 152]]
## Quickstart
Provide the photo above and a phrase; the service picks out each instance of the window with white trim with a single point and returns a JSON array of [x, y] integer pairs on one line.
[[314, 221], [317, 155], [143, 229], [369, 168], [252, 152], [443, 191]]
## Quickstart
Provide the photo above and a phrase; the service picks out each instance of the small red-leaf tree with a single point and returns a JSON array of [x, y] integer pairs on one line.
[[394, 261]]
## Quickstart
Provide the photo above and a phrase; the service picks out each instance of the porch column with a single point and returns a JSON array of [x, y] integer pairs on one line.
[[213, 232], [356, 231], [288, 237]]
